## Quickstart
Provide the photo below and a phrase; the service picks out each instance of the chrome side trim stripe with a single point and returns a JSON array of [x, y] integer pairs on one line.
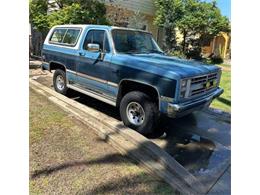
[[93, 94], [71, 71], [93, 78], [112, 84]]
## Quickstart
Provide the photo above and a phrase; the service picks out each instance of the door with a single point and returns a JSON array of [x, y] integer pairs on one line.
[[91, 67]]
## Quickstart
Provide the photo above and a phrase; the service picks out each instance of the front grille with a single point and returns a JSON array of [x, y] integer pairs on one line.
[[203, 84]]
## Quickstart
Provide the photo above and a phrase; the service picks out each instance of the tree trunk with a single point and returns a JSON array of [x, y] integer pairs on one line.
[[170, 38], [184, 41]]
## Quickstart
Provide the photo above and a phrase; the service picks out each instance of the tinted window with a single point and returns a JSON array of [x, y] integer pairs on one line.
[[66, 36], [58, 35], [97, 37], [71, 36], [129, 41]]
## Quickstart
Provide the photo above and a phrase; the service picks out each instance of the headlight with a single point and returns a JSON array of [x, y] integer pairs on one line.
[[219, 77], [183, 83], [182, 94], [183, 87]]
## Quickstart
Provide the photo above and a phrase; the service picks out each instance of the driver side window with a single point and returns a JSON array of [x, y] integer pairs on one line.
[[97, 37]]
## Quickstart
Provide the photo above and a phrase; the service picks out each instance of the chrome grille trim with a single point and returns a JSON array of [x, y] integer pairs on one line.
[[202, 84]]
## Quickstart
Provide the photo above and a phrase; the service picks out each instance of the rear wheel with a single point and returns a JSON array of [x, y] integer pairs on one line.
[[139, 112], [59, 81]]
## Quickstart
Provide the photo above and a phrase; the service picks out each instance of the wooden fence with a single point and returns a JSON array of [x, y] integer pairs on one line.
[[36, 42]]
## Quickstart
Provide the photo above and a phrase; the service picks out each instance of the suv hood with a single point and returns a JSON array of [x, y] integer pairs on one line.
[[166, 65]]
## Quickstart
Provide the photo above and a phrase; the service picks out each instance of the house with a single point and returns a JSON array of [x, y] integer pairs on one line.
[[219, 46], [134, 14]]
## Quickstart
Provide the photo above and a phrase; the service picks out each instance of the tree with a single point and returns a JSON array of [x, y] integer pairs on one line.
[[77, 13], [202, 20], [117, 15], [137, 21], [195, 19], [38, 14], [167, 14], [66, 12]]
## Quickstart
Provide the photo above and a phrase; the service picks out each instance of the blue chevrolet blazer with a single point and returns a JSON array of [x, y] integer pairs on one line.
[[126, 68]]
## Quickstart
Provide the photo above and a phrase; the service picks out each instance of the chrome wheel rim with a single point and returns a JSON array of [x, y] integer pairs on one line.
[[135, 113], [60, 83]]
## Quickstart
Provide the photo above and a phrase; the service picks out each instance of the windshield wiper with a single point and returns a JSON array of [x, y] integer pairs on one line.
[[146, 52], [155, 51], [131, 52]]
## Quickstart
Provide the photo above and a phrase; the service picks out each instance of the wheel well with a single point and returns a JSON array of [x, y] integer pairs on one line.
[[128, 86], [55, 65]]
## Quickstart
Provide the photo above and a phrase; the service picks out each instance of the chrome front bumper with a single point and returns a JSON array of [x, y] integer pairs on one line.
[[178, 110]]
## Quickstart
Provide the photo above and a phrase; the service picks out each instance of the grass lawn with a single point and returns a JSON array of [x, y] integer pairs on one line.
[[66, 157], [224, 101]]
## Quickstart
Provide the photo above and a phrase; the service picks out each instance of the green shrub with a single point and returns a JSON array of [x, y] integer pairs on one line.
[[216, 60], [194, 53], [68, 12], [177, 53]]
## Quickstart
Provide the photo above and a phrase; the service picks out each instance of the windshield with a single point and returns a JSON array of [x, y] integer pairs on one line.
[[129, 41]]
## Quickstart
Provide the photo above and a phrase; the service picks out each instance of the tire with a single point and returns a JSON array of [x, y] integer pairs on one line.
[[147, 113], [59, 77]]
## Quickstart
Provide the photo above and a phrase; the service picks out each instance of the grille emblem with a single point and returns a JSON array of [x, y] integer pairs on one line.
[[208, 85]]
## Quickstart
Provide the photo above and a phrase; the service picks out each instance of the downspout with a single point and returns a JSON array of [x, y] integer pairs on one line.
[[225, 47]]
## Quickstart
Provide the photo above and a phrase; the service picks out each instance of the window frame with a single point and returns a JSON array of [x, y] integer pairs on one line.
[[106, 35], [66, 30]]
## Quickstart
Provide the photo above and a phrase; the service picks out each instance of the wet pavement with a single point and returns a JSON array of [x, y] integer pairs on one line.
[[206, 159], [200, 142]]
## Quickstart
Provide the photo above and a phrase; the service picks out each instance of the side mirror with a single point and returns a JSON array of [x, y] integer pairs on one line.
[[93, 47]]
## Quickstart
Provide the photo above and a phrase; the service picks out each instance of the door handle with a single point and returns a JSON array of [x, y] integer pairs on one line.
[[82, 54]]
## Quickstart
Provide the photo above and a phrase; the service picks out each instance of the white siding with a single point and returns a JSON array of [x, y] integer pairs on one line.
[[144, 6], [55, 6]]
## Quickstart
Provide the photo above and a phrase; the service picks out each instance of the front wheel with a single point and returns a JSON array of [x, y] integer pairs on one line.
[[59, 81], [139, 112]]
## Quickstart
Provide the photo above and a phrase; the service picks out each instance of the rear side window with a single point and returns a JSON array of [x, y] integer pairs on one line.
[[65, 36], [71, 36], [57, 35]]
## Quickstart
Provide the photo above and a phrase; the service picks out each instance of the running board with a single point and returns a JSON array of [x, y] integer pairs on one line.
[[103, 98]]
